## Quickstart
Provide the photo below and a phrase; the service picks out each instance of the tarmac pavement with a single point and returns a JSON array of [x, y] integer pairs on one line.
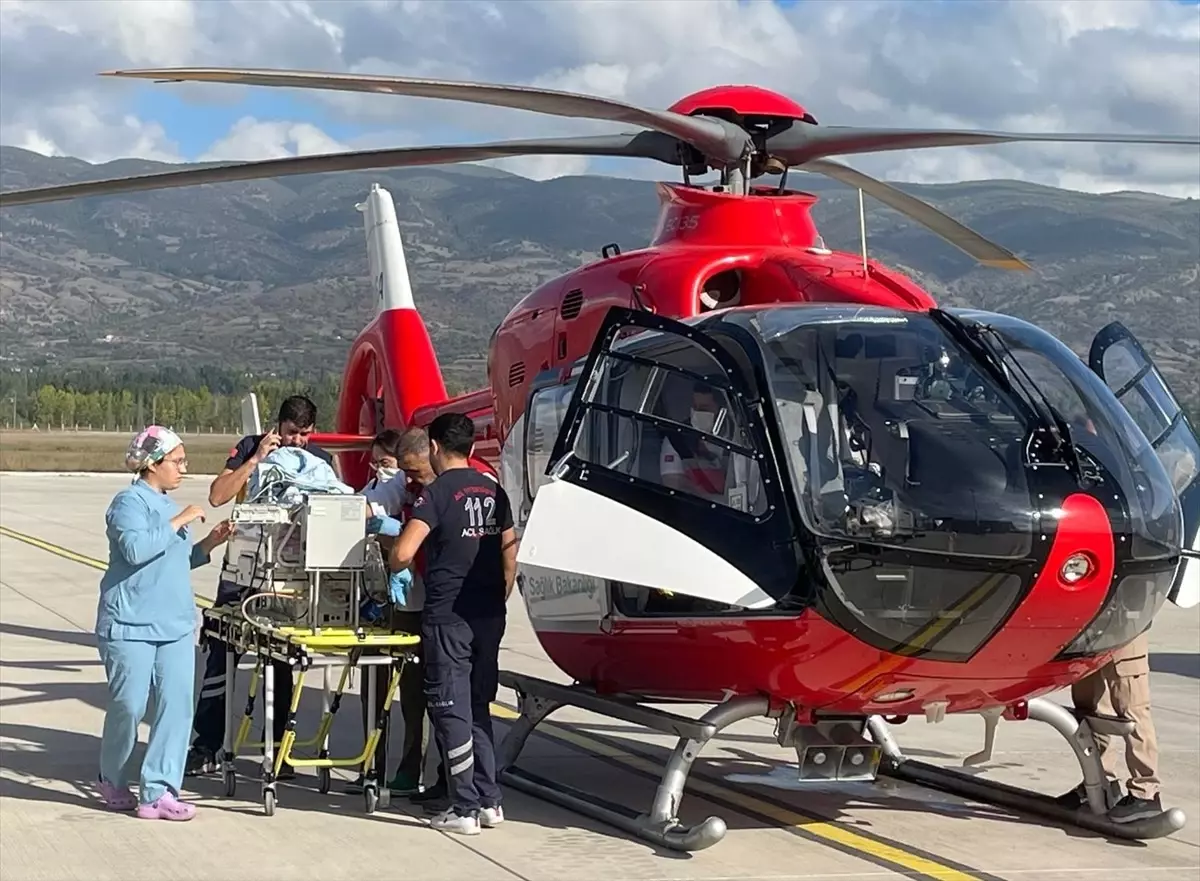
[[52, 696]]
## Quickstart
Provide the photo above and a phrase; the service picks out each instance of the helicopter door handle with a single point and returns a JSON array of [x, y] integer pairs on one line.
[[561, 467], [562, 346]]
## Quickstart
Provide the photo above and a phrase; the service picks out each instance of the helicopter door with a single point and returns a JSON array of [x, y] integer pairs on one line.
[[1119, 359], [660, 474]]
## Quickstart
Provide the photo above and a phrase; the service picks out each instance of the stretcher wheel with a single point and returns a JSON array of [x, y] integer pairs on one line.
[[269, 803], [372, 800], [230, 783], [324, 779]]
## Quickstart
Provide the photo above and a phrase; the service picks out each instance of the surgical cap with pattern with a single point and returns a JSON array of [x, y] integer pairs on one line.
[[149, 447]]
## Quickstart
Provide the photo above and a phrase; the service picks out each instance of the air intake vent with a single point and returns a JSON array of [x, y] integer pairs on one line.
[[516, 373], [572, 304]]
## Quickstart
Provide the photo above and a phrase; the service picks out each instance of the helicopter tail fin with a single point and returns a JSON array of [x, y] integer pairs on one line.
[[392, 369], [385, 252]]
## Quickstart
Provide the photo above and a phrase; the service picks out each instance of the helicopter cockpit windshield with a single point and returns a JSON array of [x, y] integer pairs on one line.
[[899, 435], [895, 435]]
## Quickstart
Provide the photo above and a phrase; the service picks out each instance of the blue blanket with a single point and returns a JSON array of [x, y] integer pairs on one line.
[[289, 472]]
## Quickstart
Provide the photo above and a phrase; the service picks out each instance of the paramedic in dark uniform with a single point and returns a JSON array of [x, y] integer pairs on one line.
[[413, 460], [402, 471], [297, 420], [464, 524]]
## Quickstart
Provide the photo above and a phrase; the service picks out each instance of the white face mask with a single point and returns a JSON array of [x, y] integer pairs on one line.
[[386, 474], [703, 420]]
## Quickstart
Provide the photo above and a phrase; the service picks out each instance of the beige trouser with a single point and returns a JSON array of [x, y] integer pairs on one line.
[[1125, 682]]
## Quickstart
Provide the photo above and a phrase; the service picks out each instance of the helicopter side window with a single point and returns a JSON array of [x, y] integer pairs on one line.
[[656, 418], [547, 409], [1154, 411]]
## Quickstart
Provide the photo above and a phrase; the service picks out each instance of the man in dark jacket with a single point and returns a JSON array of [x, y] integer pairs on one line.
[[296, 422], [463, 523]]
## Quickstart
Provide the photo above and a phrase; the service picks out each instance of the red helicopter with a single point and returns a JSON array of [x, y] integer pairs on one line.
[[754, 472]]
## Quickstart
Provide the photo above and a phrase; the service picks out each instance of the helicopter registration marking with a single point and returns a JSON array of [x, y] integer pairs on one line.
[[684, 221]]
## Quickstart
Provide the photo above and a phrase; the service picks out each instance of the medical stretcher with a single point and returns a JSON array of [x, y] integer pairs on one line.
[[306, 569]]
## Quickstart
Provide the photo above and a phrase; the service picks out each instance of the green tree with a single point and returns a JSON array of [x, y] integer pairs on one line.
[[46, 406]]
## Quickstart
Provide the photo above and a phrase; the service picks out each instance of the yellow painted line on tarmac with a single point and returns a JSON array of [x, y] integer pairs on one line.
[[842, 838], [53, 548]]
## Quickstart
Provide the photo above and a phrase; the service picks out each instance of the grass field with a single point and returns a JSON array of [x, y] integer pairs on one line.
[[99, 451]]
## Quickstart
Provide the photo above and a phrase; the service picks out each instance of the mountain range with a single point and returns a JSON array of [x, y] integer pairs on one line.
[[272, 273]]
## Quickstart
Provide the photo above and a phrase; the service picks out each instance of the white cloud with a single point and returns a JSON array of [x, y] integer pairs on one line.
[[59, 129], [1081, 65], [147, 34], [251, 139], [542, 167]]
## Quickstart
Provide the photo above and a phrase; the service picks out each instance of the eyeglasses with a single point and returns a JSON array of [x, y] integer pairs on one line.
[[181, 464]]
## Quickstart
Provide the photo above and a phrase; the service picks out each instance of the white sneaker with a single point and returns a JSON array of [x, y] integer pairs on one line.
[[490, 818], [448, 821]]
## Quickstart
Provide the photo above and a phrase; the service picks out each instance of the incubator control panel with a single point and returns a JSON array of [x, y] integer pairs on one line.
[[335, 532]]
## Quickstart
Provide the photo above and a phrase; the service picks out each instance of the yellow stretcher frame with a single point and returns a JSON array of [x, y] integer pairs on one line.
[[305, 648]]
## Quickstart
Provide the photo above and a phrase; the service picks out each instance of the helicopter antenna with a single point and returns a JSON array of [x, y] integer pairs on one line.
[[862, 228]]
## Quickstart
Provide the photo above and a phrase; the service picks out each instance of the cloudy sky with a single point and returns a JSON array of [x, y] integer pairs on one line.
[[1057, 65]]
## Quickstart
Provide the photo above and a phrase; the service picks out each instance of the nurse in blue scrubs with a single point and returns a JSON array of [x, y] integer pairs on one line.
[[145, 627]]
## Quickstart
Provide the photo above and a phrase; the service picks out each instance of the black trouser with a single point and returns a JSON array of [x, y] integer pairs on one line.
[[462, 671], [209, 721], [412, 704]]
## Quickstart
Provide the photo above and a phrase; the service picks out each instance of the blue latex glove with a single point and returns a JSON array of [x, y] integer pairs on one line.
[[398, 585], [383, 526], [370, 612]]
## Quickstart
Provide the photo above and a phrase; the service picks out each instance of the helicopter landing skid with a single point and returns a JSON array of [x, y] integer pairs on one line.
[[538, 698], [1078, 732]]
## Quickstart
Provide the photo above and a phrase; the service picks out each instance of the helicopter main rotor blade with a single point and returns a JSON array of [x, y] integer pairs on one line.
[[803, 143], [716, 139], [642, 145], [986, 252]]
